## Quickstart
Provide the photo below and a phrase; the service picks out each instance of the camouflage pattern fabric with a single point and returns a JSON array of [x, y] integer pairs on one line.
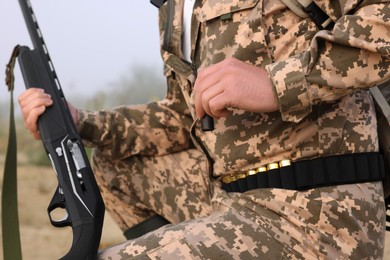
[[320, 79], [136, 188], [323, 223], [317, 77]]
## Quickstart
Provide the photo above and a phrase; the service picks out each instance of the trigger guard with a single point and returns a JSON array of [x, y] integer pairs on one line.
[[58, 201]]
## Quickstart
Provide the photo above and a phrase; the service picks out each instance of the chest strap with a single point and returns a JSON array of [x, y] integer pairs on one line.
[[308, 8], [157, 3]]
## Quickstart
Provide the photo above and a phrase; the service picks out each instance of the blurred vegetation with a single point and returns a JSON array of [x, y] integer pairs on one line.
[[141, 85]]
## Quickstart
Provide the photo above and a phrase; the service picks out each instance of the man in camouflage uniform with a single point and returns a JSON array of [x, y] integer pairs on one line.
[[278, 88]]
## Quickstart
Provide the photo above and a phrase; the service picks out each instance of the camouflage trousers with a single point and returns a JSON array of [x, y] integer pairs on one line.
[[134, 189], [338, 222]]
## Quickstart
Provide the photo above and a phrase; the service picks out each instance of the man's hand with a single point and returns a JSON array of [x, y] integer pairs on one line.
[[33, 103], [233, 84]]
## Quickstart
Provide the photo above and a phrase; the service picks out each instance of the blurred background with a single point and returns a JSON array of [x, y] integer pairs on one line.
[[105, 53], [95, 45]]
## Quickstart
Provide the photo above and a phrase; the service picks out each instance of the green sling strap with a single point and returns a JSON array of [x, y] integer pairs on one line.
[[9, 199]]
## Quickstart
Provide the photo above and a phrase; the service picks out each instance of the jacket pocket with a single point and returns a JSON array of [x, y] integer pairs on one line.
[[210, 11], [232, 29]]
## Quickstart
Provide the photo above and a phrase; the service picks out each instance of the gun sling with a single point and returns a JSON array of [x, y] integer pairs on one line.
[[9, 197]]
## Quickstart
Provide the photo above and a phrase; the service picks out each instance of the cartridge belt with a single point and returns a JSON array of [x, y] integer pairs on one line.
[[307, 174]]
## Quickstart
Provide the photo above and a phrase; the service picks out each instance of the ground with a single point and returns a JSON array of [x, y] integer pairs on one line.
[[40, 240]]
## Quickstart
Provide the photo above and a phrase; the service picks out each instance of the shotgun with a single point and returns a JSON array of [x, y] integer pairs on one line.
[[77, 193]]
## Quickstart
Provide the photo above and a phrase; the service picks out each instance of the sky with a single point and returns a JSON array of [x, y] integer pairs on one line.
[[91, 42]]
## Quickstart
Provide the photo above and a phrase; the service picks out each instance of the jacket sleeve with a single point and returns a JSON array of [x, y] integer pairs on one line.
[[354, 55], [155, 128]]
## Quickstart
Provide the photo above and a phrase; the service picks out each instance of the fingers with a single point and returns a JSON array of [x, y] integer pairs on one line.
[[233, 84], [206, 88], [217, 105], [33, 103], [31, 122], [209, 89], [202, 100], [207, 74], [214, 101]]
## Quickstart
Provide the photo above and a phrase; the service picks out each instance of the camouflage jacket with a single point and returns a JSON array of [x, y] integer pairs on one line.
[[320, 79]]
